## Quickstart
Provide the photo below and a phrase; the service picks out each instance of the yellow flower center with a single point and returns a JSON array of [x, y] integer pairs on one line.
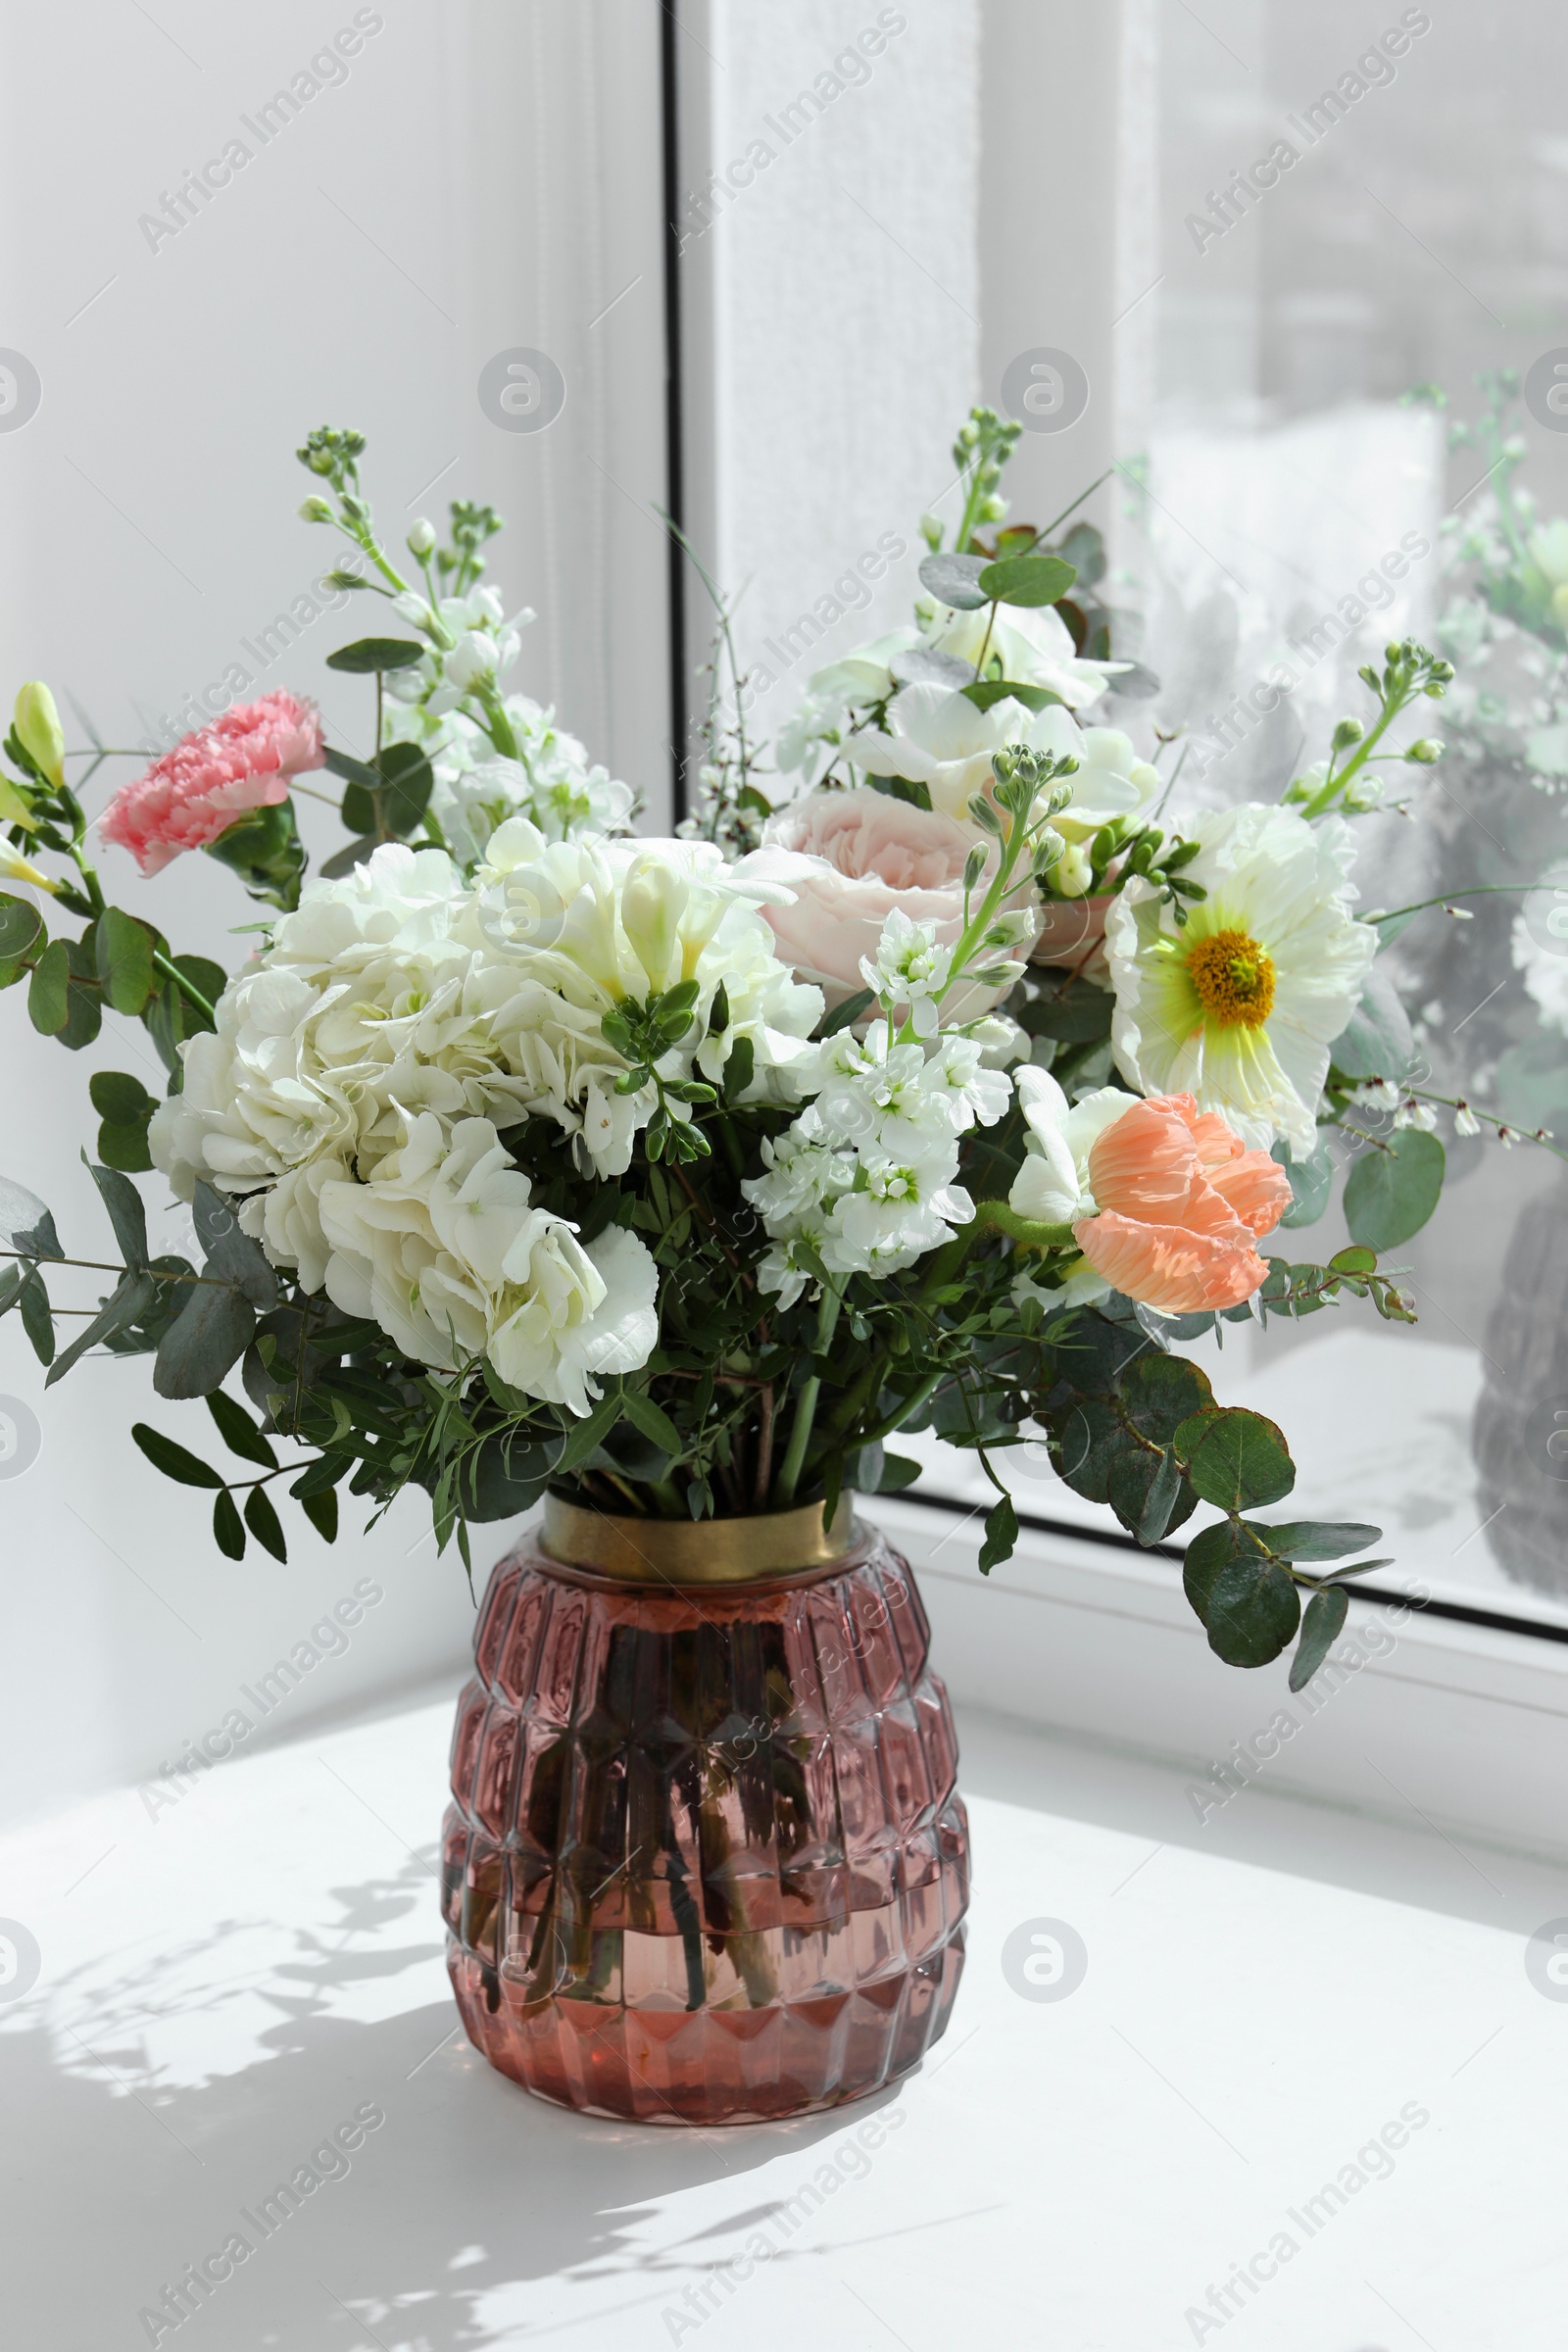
[[1234, 978]]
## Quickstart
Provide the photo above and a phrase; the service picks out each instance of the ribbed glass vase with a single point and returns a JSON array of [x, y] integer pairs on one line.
[[704, 1861]]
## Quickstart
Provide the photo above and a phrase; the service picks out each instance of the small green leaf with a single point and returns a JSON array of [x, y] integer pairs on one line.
[[239, 1432], [205, 1342], [738, 1069], [1248, 1603], [987, 691], [1393, 1188], [125, 1148], [1321, 1627], [1236, 1459], [351, 771], [1164, 1494], [1376, 1042], [1002, 1533], [227, 1533], [590, 1432], [130, 1303], [120, 1099], [127, 1214], [1353, 1260], [1311, 1183], [48, 994], [37, 1322], [344, 860], [408, 782], [174, 1461], [124, 959], [22, 931], [262, 1522], [955, 581], [358, 812], [1027, 580], [367, 654], [843, 1015], [321, 1511], [656, 1424], [1317, 1539]]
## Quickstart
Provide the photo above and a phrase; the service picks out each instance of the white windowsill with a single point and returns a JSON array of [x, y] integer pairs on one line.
[[228, 1983]]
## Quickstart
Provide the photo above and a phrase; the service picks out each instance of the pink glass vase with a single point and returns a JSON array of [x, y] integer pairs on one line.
[[704, 1861]]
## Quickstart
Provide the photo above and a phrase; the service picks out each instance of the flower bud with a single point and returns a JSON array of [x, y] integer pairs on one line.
[[316, 510], [983, 815], [38, 731], [16, 868], [974, 866], [1349, 731], [653, 899], [992, 509], [1425, 751], [1074, 871], [931, 532], [421, 537]]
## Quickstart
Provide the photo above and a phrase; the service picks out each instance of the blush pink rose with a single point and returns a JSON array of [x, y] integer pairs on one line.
[[1182, 1203], [850, 857], [243, 760]]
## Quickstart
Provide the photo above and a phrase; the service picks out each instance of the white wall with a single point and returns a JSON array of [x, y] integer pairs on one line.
[[486, 176]]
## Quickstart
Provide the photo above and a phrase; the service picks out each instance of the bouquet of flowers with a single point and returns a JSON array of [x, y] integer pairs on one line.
[[679, 1176]]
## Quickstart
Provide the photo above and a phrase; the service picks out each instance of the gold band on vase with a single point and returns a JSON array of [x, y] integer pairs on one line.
[[696, 1552]]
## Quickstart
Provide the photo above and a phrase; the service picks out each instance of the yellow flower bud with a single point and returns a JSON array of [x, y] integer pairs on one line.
[[16, 868], [38, 730]]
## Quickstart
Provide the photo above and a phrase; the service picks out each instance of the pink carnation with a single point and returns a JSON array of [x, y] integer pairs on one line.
[[243, 760]]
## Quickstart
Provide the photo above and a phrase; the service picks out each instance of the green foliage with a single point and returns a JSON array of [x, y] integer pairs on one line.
[[367, 654], [125, 1107], [1027, 580], [1393, 1188], [1321, 1627]]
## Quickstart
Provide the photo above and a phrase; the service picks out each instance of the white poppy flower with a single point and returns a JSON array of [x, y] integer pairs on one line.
[[1239, 1006]]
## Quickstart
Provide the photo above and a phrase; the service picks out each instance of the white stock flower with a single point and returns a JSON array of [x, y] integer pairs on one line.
[[1240, 1007], [443, 1249], [910, 970]]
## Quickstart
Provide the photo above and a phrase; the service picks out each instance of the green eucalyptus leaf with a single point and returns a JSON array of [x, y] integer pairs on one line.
[[130, 1303], [33, 1305], [205, 1342], [1311, 1183], [368, 653], [1317, 1539], [988, 691], [1393, 1188], [48, 993], [127, 1214], [123, 950], [408, 781], [1376, 1042], [955, 581], [344, 860], [1321, 1627], [1248, 1603], [21, 933], [1236, 1459], [351, 771], [1027, 580]]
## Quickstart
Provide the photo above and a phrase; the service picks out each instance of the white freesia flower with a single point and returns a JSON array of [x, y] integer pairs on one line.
[[1111, 780], [1053, 1186], [940, 740], [444, 1249], [1239, 1006], [1033, 644]]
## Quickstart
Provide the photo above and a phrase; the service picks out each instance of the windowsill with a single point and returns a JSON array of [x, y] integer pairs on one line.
[[224, 1985]]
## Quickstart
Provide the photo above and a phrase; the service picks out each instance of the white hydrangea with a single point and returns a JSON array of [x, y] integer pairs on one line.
[[445, 1250], [400, 1017]]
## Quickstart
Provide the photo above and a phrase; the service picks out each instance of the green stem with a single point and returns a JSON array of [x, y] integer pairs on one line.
[[789, 1476], [1481, 890], [188, 988], [1333, 785], [911, 1404]]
